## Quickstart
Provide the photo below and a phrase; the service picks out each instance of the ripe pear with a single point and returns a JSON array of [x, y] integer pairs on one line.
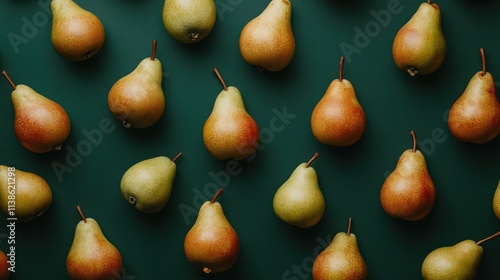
[[419, 47], [137, 99], [4, 266], [189, 21], [341, 260], [91, 255], [77, 34], [267, 41], [212, 244], [408, 192], [496, 201], [147, 185], [229, 131], [338, 119], [40, 124], [299, 201], [457, 262], [31, 193], [475, 115]]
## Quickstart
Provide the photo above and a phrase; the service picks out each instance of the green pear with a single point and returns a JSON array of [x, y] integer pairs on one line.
[[475, 115], [496, 201], [229, 131], [4, 266], [341, 259], [299, 201], [338, 119], [189, 21], [77, 34], [40, 124], [137, 99], [408, 192], [147, 185], [419, 47], [267, 41], [457, 262], [212, 245], [91, 255], [31, 193]]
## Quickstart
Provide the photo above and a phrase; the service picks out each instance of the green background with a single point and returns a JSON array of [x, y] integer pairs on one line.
[[465, 175]]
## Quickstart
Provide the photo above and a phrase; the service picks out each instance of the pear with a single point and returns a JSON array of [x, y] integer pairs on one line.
[[457, 262], [212, 244], [40, 124], [419, 47], [338, 119], [229, 131], [299, 201], [496, 201], [137, 99], [408, 192], [77, 34], [267, 41], [31, 193], [147, 185], [4, 266], [91, 255], [189, 21], [475, 115], [341, 259]]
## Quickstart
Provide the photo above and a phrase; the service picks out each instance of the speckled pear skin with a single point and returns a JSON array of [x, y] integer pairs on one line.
[[77, 34], [267, 41], [419, 47], [189, 21]]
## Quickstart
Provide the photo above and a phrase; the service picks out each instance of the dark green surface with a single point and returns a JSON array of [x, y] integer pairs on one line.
[[465, 175]]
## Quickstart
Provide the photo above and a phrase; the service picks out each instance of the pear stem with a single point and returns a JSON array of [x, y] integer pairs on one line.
[[349, 226], [429, 2], [177, 156], [483, 59], [488, 238], [8, 79], [153, 53], [216, 195], [341, 68], [316, 155], [220, 78], [412, 133], [81, 213]]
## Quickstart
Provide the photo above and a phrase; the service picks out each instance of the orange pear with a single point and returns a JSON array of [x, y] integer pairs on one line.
[[4, 266]]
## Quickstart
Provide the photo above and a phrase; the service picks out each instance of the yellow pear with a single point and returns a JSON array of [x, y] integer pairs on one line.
[[475, 115], [40, 124], [496, 201], [408, 192], [338, 119], [230, 132], [419, 47], [267, 41], [137, 99], [212, 245], [341, 260], [77, 34], [458, 262], [31, 193], [299, 201]]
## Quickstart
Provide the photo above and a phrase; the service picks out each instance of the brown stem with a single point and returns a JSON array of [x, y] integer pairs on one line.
[[216, 195], [483, 59], [429, 2], [177, 156], [81, 213], [153, 53], [341, 68], [412, 133], [488, 238], [349, 226], [316, 155], [8, 79], [220, 78]]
